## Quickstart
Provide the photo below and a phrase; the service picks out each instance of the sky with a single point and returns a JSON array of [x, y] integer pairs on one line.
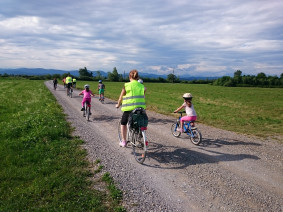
[[209, 38]]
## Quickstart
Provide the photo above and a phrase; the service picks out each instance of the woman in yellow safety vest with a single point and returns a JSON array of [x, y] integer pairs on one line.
[[131, 97]]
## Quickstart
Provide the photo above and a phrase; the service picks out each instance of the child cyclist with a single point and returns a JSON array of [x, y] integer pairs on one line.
[[87, 97], [191, 114], [101, 88]]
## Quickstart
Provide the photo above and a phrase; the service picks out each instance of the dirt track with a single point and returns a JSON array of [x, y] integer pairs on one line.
[[227, 172]]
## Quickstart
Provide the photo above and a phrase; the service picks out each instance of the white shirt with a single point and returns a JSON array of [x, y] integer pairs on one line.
[[190, 111]]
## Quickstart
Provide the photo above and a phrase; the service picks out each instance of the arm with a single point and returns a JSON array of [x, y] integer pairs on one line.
[[91, 93], [81, 93], [178, 109], [123, 93]]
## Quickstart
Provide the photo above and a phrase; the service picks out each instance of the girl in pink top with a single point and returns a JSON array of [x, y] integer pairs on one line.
[[87, 97], [190, 111]]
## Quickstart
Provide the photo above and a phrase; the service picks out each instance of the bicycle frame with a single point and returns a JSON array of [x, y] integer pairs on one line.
[[192, 132]]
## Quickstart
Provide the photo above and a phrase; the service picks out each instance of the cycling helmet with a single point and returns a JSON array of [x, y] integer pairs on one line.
[[100, 81], [87, 86], [187, 96], [140, 81]]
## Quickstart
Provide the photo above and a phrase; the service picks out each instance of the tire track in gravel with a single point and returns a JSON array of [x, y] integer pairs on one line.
[[227, 172]]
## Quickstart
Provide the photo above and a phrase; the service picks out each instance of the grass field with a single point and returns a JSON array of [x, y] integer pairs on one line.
[[42, 166], [252, 111]]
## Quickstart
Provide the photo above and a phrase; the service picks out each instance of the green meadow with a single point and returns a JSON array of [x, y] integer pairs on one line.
[[42, 166], [252, 111]]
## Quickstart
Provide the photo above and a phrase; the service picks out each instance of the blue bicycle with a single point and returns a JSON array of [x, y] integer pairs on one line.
[[192, 132]]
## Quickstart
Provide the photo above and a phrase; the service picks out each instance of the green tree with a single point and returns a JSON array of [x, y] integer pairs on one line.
[[114, 76], [171, 78], [84, 72]]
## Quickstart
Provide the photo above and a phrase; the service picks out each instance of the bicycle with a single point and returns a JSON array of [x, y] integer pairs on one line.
[[70, 91], [192, 132], [136, 134], [55, 86], [86, 112], [101, 98]]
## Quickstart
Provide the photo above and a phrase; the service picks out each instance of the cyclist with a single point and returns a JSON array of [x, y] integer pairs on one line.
[[141, 81], [69, 83], [87, 97], [101, 88], [131, 97], [55, 82], [190, 111], [64, 82], [74, 82]]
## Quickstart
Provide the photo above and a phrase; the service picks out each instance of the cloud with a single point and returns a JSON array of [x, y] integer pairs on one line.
[[192, 37]]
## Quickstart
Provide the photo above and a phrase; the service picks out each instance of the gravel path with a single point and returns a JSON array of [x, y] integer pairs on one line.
[[227, 172]]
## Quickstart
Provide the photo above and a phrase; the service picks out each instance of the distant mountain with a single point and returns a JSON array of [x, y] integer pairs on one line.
[[42, 71]]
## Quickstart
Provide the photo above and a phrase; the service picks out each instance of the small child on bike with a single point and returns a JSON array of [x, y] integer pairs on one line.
[[191, 114], [87, 97], [101, 88]]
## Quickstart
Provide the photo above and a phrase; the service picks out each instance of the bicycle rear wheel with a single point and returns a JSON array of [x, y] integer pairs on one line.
[[196, 136], [139, 145], [174, 128]]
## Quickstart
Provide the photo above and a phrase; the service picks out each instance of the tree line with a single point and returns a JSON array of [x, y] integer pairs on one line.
[[259, 80], [238, 80]]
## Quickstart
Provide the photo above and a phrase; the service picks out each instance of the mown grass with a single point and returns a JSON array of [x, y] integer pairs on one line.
[[42, 167], [253, 111]]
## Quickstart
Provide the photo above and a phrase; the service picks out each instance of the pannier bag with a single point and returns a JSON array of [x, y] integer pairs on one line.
[[138, 118]]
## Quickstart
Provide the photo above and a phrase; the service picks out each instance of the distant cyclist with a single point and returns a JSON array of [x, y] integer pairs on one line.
[[64, 82], [87, 97], [69, 83], [55, 82], [74, 82], [131, 97], [141, 81], [101, 89]]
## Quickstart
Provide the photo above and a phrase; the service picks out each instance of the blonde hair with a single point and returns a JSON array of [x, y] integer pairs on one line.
[[134, 74]]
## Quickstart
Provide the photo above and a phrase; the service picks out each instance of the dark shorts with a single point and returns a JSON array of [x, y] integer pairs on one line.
[[69, 85], [125, 117]]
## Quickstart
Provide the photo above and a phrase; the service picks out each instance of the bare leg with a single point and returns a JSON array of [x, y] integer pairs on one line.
[[124, 132]]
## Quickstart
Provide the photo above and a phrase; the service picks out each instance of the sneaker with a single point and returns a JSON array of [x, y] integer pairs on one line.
[[180, 130], [123, 143], [83, 109], [89, 113]]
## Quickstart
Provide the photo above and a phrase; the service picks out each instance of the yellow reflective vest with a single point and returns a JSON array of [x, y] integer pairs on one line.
[[134, 97], [74, 80], [68, 80]]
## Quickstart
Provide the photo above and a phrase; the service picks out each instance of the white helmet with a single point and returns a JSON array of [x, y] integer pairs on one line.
[[140, 81], [87, 86], [187, 96]]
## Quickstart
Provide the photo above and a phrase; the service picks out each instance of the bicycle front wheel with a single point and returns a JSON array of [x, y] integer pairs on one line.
[[139, 145], [86, 112], [174, 128], [196, 136]]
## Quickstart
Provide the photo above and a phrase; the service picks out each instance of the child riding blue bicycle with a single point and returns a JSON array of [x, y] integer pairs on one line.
[[191, 114]]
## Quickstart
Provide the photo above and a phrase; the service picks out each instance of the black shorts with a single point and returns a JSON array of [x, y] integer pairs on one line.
[[69, 85], [125, 117]]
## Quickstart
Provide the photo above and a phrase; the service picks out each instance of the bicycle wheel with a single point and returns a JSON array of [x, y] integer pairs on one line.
[[195, 136], [71, 93], [86, 112], [139, 145], [174, 129]]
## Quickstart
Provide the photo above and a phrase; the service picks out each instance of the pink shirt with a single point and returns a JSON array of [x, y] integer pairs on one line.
[[87, 95]]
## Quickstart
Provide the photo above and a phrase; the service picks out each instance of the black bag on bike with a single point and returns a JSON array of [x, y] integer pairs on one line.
[[138, 118]]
